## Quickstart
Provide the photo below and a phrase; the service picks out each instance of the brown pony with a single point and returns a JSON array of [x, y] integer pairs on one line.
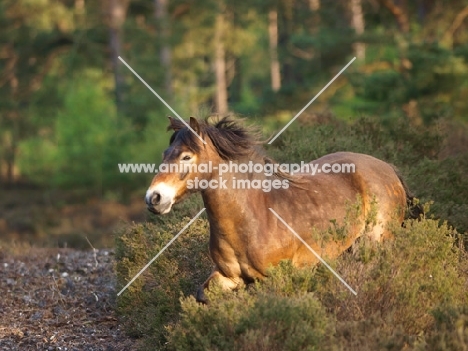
[[245, 236]]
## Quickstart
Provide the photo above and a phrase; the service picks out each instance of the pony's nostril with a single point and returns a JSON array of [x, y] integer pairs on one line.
[[156, 198]]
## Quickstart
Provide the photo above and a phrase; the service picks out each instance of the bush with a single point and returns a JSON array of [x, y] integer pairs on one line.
[[451, 330], [411, 290], [415, 150], [267, 316], [401, 282], [151, 303], [405, 287]]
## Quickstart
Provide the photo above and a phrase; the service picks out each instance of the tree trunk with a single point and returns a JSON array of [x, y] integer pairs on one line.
[[447, 38], [400, 14], [358, 24], [12, 142], [421, 11], [314, 5], [10, 159], [220, 67], [160, 13], [79, 6], [274, 63], [117, 12], [286, 11]]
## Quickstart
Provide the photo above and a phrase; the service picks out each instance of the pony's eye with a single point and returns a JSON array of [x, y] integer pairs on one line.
[[186, 158]]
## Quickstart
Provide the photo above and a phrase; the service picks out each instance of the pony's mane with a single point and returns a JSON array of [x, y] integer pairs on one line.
[[232, 139]]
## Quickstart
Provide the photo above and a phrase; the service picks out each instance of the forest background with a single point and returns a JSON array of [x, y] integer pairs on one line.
[[70, 111]]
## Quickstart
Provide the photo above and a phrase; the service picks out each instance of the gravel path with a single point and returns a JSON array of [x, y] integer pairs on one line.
[[59, 299]]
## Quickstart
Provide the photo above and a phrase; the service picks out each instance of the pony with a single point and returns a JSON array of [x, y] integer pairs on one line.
[[245, 236]]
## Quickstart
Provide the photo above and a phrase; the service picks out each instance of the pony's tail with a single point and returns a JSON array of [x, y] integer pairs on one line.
[[414, 209]]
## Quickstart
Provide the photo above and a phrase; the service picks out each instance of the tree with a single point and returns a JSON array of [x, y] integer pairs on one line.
[[33, 37], [160, 13], [273, 40], [400, 12], [357, 20], [117, 10], [221, 94]]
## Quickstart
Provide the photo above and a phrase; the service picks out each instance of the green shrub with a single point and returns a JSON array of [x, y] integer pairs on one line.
[[402, 281], [151, 303], [87, 141], [451, 330], [407, 290], [276, 314], [415, 150], [411, 290]]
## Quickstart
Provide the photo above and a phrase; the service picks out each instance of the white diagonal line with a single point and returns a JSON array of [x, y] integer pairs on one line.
[[311, 101], [312, 250], [160, 98], [160, 252]]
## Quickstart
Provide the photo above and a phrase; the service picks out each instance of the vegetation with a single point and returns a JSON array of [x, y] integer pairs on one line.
[[411, 290], [432, 159], [71, 111]]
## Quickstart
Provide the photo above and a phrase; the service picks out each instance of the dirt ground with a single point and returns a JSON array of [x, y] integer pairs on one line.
[[59, 299], [47, 219]]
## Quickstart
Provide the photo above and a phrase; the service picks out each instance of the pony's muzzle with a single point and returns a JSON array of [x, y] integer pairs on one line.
[[159, 199], [154, 199]]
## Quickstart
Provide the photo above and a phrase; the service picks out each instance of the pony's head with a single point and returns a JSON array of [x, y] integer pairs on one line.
[[183, 159]]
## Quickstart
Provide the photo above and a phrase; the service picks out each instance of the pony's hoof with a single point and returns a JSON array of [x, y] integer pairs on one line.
[[200, 296]]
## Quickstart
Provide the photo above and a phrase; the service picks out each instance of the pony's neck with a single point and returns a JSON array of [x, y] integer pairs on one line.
[[224, 207], [229, 199], [236, 194]]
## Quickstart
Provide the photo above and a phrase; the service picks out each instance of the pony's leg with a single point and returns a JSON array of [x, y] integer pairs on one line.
[[378, 230], [386, 219], [225, 283]]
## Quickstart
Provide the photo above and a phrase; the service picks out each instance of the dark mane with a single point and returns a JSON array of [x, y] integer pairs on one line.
[[232, 139]]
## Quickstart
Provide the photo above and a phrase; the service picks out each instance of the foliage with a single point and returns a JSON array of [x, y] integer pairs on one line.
[[411, 289], [279, 314], [410, 292], [403, 281], [425, 84], [83, 150], [453, 335], [46, 47], [419, 152], [151, 303]]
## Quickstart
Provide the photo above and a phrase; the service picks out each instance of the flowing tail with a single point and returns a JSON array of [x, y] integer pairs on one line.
[[415, 210]]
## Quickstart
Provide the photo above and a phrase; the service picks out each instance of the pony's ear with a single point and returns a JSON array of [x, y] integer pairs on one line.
[[194, 125], [174, 124]]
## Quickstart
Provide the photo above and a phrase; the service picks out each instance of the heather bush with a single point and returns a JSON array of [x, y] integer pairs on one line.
[[419, 152], [401, 285], [151, 302], [411, 290], [280, 313], [407, 289]]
